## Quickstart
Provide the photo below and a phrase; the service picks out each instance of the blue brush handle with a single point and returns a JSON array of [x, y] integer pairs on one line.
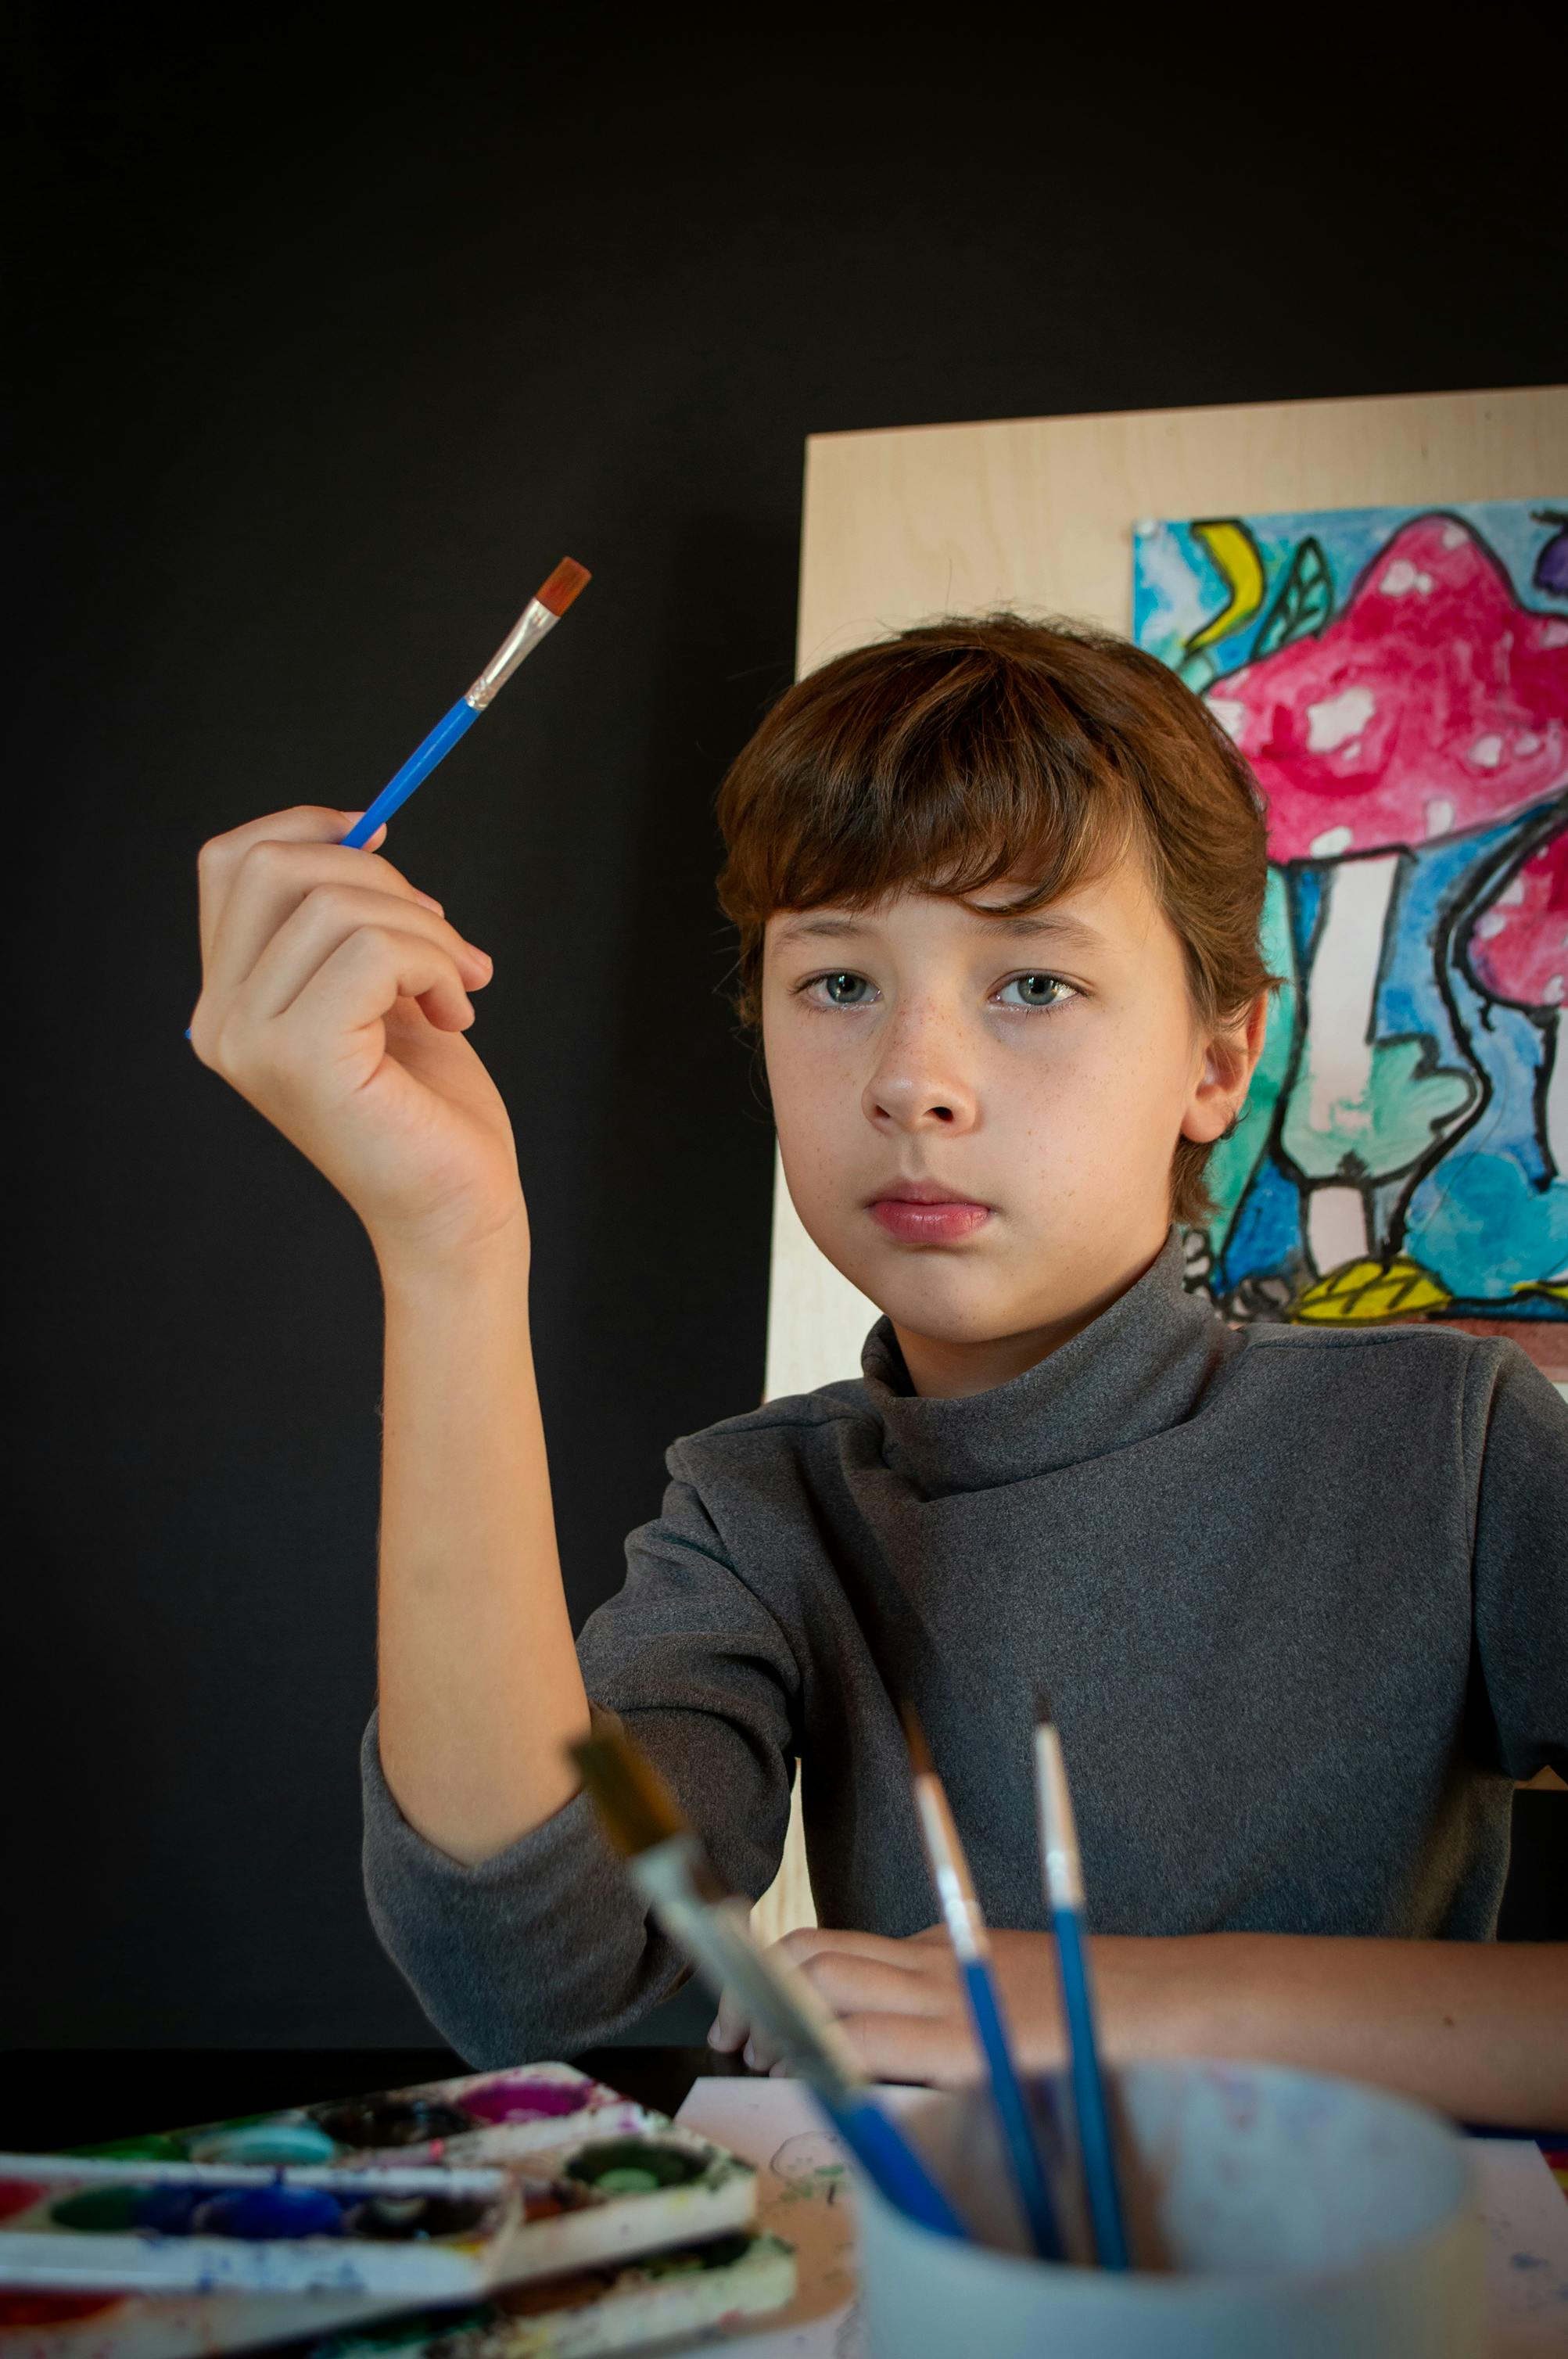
[[1028, 2170], [891, 2164], [414, 772], [1100, 2179]]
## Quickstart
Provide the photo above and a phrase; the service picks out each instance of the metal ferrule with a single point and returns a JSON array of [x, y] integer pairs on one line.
[[1057, 1835], [532, 624], [949, 1873]]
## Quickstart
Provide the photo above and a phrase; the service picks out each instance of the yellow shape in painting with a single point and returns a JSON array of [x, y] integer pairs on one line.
[[1240, 562], [1364, 1291], [1545, 1289]]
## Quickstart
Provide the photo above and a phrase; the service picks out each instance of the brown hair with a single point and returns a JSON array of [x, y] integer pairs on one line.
[[964, 751]]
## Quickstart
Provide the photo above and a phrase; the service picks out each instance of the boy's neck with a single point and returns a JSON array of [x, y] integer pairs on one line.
[[943, 1370]]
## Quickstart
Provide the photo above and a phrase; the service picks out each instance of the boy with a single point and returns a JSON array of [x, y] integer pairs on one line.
[[1300, 1599]]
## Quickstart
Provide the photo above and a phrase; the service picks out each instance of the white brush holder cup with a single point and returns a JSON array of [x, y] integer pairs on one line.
[[1281, 2214]]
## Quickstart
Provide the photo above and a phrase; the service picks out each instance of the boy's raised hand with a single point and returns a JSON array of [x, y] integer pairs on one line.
[[334, 998]]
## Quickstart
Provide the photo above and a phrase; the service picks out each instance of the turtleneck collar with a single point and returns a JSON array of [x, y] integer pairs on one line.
[[1132, 1372]]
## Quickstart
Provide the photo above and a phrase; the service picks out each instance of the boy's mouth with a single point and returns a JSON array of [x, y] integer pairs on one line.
[[918, 1211]]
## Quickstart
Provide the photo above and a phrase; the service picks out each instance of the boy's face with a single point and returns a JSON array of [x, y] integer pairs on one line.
[[1039, 1068]]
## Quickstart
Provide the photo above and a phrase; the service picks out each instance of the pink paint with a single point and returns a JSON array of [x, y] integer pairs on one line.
[[1519, 944], [520, 2099], [1433, 703]]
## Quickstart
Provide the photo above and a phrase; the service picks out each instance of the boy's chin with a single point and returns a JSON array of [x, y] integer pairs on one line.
[[942, 1298]]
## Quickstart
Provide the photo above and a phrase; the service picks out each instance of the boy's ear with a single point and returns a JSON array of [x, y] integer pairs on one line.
[[1229, 1062]]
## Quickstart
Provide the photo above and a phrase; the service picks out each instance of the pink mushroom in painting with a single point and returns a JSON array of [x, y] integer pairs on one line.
[[1433, 705], [1518, 952]]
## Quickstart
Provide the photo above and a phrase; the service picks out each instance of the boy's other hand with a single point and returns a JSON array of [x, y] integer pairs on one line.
[[903, 2007], [334, 998]]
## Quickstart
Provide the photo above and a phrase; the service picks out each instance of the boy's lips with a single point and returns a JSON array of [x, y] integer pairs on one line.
[[918, 1212]]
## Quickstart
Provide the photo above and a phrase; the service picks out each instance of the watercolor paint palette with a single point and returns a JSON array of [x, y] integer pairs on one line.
[[619, 2307], [436, 2194]]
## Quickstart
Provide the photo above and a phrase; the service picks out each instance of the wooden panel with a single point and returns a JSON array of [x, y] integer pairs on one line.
[[1036, 513]]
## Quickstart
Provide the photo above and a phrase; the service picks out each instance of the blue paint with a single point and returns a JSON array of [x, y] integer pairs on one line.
[[170, 2211], [1266, 1235], [262, 2214]]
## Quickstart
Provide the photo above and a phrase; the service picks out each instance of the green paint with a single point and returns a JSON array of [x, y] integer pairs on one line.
[[1409, 1102], [638, 2166], [157, 2146], [99, 2210], [719, 2253]]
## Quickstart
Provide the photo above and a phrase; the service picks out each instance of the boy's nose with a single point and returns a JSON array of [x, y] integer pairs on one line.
[[910, 1093]]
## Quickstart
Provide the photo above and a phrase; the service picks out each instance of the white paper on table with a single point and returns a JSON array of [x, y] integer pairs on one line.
[[1526, 2250], [803, 2195]]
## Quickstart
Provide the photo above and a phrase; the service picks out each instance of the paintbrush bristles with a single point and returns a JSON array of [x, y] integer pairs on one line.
[[563, 585], [636, 1806], [921, 1760]]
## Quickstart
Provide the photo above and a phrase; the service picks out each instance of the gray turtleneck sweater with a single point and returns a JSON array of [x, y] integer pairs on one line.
[[1299, 1598]]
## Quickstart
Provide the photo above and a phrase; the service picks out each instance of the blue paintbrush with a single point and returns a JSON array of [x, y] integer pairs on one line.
[[537, 619], [1063, 1872], [972, 1947], [644, 1821]]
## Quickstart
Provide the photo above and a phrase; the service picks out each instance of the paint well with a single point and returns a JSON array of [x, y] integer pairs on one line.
[[280, 2142], [22, 2308], [370, 2122], [157, 2146], [415, 2219], [634, 2166], [517, 2098], [263, 2214], [99, 2210]]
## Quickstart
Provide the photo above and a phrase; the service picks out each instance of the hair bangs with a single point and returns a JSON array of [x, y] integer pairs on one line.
[[935, 777]]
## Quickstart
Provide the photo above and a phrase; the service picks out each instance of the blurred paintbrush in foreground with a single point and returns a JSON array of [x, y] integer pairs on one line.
[[669, 1867]]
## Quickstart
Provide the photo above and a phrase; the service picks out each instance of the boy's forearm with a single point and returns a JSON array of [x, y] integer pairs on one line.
[[1479, 2029], [480, 1687]]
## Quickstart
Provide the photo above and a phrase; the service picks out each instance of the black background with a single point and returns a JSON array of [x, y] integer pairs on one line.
[[326, 346]]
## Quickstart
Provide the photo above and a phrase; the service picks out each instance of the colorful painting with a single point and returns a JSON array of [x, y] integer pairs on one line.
[[1398, 680]]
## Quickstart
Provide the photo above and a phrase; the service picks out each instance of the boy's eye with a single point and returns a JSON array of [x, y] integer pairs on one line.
[[1037, 991], [840, 990]]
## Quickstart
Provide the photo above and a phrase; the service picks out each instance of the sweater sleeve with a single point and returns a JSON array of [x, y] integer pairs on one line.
[[1521, 1565], [544, 1948]]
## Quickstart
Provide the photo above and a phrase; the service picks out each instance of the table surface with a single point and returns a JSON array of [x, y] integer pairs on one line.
[[55, 2098]]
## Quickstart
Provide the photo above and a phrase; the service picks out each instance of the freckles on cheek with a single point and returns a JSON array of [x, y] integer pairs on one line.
[[816, 1105]]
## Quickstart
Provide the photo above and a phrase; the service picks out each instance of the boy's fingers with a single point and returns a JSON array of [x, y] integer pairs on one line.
[[815, 1940], [848, 1984], [218, 862], [365, 977], [272, 880], [732, 2023], [913, 2048], [327, 916], [852, 1970]]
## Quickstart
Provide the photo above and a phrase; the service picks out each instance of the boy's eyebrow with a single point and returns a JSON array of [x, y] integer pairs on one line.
[[997, 920]]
